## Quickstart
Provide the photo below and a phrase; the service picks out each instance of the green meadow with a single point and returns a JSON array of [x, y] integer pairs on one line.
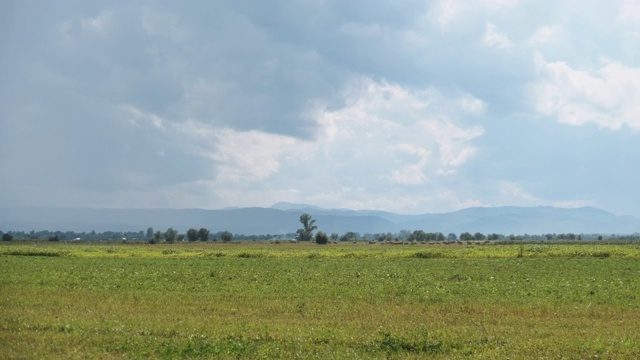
[[341, 301]]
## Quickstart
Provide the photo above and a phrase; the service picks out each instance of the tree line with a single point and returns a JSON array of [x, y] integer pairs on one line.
[[306, 233], [308, 227], [170, 235]]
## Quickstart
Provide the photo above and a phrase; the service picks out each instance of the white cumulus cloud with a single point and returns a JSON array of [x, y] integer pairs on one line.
[[414, 131], [545, 34], [493, 38], [383, 135], [607, 96], [247, 156]]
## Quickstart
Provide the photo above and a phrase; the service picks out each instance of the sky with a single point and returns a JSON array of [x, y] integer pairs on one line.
[[405, 106]]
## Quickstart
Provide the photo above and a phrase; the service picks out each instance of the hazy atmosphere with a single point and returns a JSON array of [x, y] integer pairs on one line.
[[405, 106]]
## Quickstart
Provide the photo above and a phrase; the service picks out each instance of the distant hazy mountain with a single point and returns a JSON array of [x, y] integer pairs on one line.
[[283, 218], [286, 206]]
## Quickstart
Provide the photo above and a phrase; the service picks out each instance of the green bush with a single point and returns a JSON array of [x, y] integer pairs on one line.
[[322, 238]]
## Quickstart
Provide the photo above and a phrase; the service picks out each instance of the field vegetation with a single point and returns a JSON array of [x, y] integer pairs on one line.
[[267, 300]]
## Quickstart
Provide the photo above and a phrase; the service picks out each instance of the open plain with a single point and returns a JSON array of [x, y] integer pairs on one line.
[[266, 300]]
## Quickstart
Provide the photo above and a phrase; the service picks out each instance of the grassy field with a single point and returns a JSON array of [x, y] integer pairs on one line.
[[259, 300]]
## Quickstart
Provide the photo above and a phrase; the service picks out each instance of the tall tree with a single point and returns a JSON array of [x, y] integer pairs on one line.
[[149, 232], [350, 236], [466, 236], [418, 235], [226, 236], [306, 233], [203, 234], [170, 235], [192, 234]]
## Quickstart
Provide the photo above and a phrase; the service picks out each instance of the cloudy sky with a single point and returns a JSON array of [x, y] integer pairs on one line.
[[407, 106]]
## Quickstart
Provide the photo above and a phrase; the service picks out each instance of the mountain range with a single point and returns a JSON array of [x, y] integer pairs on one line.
[[282, 218]]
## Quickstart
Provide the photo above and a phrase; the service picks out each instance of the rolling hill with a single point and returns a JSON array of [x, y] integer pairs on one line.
[[282, 218]]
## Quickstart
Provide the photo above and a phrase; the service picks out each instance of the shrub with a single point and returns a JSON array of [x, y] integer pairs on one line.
[[251, 254], [396, 344], [36, 252], [322, 238]]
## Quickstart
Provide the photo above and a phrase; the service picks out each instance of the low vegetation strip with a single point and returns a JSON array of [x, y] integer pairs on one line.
[[35, 252], [309, 250], [301, 301]]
